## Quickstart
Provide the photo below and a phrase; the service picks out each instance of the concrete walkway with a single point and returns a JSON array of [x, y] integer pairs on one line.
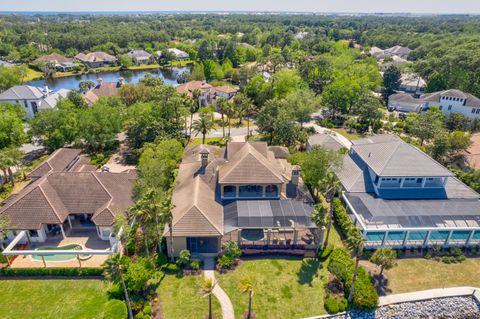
[[218, 292], [430, 294]]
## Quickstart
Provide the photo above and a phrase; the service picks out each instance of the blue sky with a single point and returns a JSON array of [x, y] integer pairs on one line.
[[416, 6]]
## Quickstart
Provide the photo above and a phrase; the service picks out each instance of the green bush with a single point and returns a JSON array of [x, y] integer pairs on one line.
[[115, 309], [183, 258], [342, 218], [333, 305], [116, 291], [64, 272], [455, 251], [161, 259], [231, 249], [365, 296], [196, 264], [325, 252], [171, 268], [147, 310], [225, 262], [427, 256]]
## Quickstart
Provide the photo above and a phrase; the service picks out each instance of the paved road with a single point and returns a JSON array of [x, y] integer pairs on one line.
[[218, 292], [241, 131]]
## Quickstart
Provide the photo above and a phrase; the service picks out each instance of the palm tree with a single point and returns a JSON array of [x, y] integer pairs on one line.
[[167, 218], [141, 213], [331, 185], [221, 106], [385, 258], [10, 157], [244, 107], [203, 125], [320, 217], [151, 205], [112, 269], [247, 287], [230, 112], [208, 284], [356, 243], [193, 108]]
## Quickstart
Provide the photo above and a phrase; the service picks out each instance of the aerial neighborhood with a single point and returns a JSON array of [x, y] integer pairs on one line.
[[254, 165]]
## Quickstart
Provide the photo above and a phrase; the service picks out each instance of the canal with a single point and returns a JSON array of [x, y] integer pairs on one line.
[[169, 76]]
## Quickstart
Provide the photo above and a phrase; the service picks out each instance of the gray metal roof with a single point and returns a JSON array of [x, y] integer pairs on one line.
[[22, 92], [380, 213], [267, 214], [325, 140], [397, 158]]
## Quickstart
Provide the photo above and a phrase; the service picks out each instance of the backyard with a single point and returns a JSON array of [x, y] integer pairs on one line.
[[182, 297], [69, 299], [283, 287]]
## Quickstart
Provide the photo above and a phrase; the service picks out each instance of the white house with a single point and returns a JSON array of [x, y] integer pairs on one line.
[[450, 101], [404, 102], [401, 52], [140, 56], [412, 83], [33, 98], [179, 54]]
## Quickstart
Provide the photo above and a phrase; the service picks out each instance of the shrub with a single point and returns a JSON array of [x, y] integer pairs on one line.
[[138, 274], [161, 259], [325, 252], [63, 272], [195, 264], [455, 251], [342, 219], [225, 262], [115, 309], [427, 256], [365, 296], [460, 258], [333, 305], [171, 268], [183, 258], [116, 291], [147, 310], [231, 249]]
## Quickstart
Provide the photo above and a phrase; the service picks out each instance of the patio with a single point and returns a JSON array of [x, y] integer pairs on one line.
[[87, 238]]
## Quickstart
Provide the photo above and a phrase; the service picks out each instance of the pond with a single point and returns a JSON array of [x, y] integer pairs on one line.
[[169, 76]]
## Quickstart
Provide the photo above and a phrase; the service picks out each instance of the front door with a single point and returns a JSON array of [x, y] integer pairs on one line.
[[202, 245]]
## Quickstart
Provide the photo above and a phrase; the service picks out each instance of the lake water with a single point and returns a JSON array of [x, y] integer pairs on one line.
[[169, 76]]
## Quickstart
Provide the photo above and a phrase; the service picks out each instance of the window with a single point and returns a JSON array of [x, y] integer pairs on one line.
[[229, 191], [441, 107], [250, 191], [271, 191], [34, 107], [478, 111], [449, 107], [473, 110], [33, 233]]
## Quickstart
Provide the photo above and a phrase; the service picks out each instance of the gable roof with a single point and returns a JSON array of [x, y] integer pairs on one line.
[[248, 165], [95, 57], [471, 100], [325, 140], [53, 58], [23, 92], [190, 86], [101, 89], [139, 54], [58, 161], [397, 158]]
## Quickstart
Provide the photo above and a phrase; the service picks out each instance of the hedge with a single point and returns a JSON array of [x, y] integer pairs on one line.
[[365, 295], [65, 272], [115, 309], [342, 219]]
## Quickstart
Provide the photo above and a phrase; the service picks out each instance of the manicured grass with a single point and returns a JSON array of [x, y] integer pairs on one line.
[[216, 141], [420, 274], [144, 67], [69, 299], [347, 134], [284, 288], [182, 297], [32, 75], [179, 63]]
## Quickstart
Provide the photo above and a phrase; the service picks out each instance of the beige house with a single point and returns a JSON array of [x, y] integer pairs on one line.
[[205, 90], [246, 192]]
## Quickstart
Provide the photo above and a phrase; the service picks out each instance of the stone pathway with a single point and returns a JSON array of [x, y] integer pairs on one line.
[[218, 292]]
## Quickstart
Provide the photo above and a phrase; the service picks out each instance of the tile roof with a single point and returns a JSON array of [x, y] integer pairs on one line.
[[102, 89], [139, 54], [189, 87], [225, 89], [60, 160], [53, 58], [325, 140], [95, 57]]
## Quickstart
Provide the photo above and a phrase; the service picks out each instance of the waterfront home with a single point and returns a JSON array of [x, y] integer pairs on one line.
[[140, 57], [102, 89], [96, 59], [203, 88], [33, 98], [246, 192], [398, 197], [179, 54], [54, 61], [225, 91]]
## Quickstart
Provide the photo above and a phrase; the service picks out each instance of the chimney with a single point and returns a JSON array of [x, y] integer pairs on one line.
[[204, 152], [295, 174], [99, 82]]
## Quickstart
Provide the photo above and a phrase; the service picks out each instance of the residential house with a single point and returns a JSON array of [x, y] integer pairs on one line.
[[247, 193], [395, 61], [325, 140], [140, 57], [412, 83], [400, 197], [205, 90], [225, 91], [377, 52], [102, 89], [33, 98], [179, 54], [56, 62], [399, 51], [300, 35], [67, 194], [404, 103], [452, 100], [96, 59]]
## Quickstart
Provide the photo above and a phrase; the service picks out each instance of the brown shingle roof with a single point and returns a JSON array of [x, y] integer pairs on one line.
[[95, 57], [58, 161], [52, 58], [248, 165]]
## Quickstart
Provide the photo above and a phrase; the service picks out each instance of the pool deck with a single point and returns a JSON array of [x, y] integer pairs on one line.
[[86, 238]]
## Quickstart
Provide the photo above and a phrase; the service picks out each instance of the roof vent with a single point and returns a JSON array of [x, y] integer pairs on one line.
[[369, 154]]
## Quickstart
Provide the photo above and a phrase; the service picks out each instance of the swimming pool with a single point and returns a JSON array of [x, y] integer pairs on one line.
[[56, 257]]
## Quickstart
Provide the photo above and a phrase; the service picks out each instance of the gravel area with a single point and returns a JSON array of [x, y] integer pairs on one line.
[[440, 308]]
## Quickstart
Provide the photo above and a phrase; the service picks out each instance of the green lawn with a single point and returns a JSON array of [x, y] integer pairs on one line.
[[215, 141], [347, 134], [413, 274], [182, 297], [66, 299], [284, 288]]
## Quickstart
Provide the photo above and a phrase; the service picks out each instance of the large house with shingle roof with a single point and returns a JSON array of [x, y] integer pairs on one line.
[[246, 192], [96, 59], [400, 197], [67, 193]]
